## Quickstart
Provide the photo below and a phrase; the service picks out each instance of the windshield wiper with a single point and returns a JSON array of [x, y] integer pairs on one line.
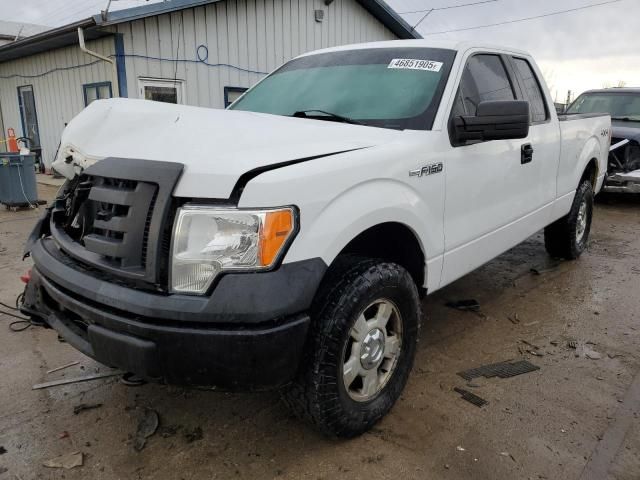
[[633, 118], [335, 116]]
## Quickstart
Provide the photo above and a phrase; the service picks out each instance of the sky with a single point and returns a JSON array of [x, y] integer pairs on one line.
[[577, 50]]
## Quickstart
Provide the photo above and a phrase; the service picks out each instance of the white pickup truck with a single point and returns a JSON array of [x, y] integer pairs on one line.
[[287, 241]]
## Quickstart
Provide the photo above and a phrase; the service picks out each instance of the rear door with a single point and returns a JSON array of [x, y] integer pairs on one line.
[[488, 188], [544, 135]]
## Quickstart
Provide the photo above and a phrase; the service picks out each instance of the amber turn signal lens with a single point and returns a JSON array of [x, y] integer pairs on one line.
[[276, 229]]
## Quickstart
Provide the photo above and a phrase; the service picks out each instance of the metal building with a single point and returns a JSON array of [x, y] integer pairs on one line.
[[196, 52]]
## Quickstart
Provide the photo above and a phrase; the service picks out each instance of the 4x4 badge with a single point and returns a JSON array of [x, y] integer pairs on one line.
[[427, 170]]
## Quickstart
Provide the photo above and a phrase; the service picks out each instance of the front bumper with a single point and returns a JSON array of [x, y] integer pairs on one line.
[[623, 182], [249, 334]]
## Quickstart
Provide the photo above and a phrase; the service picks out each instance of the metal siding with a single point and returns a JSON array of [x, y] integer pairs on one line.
[[58, 95]]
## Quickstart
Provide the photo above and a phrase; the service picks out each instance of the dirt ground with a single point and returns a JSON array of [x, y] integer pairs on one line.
[[575, 418]]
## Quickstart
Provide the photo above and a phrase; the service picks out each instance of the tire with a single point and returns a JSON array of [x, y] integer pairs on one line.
[[568, 237], [357, 290]]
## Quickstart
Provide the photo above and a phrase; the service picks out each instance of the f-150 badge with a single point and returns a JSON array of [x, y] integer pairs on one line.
[[427, 170]]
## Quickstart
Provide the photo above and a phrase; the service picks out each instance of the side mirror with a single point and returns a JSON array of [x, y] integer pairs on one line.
[[499, 120]]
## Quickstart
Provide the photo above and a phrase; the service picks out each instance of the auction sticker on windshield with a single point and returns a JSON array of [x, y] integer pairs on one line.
[[415, 64]]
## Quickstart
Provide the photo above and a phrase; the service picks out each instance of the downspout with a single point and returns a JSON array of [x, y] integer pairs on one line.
[[116, 86]]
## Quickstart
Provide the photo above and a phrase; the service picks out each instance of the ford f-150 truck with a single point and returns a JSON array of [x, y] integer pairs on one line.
[[287, 241]]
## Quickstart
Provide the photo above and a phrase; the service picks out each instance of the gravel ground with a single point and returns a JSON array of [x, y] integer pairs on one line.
[[575, 418]]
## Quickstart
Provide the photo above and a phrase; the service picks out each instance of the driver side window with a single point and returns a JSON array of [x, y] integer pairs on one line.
[[484, 78]]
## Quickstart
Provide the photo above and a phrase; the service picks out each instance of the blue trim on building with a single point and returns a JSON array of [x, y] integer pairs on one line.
[[121, 65]]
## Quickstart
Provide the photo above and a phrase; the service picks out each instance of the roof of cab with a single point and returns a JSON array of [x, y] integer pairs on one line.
[[456, 45]]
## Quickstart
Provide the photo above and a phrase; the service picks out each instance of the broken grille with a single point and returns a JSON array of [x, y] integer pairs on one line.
[[115, 218], [122, 211]]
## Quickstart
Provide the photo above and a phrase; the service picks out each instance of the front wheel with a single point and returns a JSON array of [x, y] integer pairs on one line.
[[361, 348], [568, 236]]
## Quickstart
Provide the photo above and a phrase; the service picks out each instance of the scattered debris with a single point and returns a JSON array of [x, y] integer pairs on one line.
[[132, 380], [85, 406], [69, 461], [68, 381], [507, 454], [460, 449], [541, 271], [193, 435], [465, 305], [169, 431], [57, 369], [583, 349], [500, 370], [3, 470], [515, 319], [3, 450], [64, 434], [531, 324], [471, 397], [147, 426]]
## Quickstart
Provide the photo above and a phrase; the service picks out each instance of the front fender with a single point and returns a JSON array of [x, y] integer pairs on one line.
[[366, 205]]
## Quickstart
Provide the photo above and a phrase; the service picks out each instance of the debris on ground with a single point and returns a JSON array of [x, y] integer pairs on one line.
[[168, 431], [500, 370], [132, 380], [471, 397], [3, 470], [147, 426], [465, 305], [69, 461], [57, 369], [584, 350], [193, 435], [3, 450], [514, 319], [64, 434], [460, 449], [68, 381], [85, 406], [541, 271], [507, 454]]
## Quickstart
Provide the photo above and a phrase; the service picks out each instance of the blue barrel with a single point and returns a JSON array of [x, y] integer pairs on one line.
[[18, 180]]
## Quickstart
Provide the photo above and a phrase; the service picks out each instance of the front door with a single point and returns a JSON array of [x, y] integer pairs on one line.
[[27, 104], [486, 184]]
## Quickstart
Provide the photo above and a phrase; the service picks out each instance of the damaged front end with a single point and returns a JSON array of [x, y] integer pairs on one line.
[[624, 166]]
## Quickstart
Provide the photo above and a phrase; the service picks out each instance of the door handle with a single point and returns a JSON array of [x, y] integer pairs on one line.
[[526, 154]]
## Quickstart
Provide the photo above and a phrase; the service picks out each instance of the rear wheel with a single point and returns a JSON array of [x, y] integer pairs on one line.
[[568, 236], [361, 347]]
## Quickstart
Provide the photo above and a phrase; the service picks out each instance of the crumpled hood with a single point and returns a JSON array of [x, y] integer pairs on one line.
[[628, 130], [215, 146]]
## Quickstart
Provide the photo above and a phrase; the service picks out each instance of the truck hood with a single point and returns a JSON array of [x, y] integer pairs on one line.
[[628, 130], [215, 146]]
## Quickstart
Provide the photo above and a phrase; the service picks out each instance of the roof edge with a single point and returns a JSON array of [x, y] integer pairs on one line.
[[388, 16], [38, 42], [153, 9]]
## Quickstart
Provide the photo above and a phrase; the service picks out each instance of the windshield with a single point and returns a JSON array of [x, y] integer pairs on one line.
[[396, 88], [618, 105]]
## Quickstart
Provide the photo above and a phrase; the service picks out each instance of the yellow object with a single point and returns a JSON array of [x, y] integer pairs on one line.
[[275, 232]]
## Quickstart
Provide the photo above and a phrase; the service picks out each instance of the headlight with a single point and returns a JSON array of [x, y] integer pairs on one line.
[[207, 241]]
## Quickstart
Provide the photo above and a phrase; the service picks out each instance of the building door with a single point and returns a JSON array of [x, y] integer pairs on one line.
[[27, 104], [161, 90]]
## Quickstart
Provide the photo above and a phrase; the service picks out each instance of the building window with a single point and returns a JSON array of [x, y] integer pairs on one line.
[[96, 91], [161, 90], [231, 94]]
